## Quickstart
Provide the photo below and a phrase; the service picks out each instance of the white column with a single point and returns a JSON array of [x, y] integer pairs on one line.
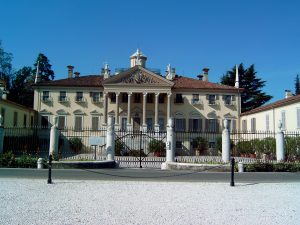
[[280, 151], [169, 106], [156, 125], [170, 143], [110, 140], [226, 143], [53, 146], [105, 108], [144, 111], [118, 109], [129, 125]]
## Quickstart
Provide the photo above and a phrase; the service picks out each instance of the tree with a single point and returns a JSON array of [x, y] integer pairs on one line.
[[21, 90], [5, 66], [252, 96], [297, 85], [45, 71]]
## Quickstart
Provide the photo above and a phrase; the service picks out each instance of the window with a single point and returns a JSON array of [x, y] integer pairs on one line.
[[96, 97], [244, 125], [283, 120], [3, 114], [124, 124], [212, 125], [25, 120], [137, 98], [95, 123], [46, 96], [161, 98], [298, 117], [149, 124], [231, 124], [78, 123], [179, 124], [79, 96], [195, 124], [124, 97], [161, 123], [253, 124], [61, 122], [211, 99], [195, 99], [113, 98], [45, 121], [15, 119], [267, 122], [62, 96], [179, 98], [228, 99], [150, 98]]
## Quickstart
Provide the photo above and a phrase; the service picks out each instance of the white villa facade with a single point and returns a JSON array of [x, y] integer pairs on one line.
[[138, 99], [267, 117]]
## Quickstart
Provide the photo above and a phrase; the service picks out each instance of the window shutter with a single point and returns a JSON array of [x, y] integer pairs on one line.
[[233, 98], [191, 125], [206, 125], [217, 125], [207, 97], [233, 125], [298, 118], [217, 97], [223, 97], [91, 94], [199, 121]]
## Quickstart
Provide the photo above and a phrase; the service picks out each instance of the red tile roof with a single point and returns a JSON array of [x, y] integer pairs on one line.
[[82, 81], [190, 83], [280, 103]]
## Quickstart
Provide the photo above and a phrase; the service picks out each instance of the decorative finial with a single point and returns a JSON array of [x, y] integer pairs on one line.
[[37, 75], [237, 83]]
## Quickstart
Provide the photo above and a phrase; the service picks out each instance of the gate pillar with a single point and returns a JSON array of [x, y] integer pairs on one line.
[[110, 140], [53, 147], [1, 134], [170, 143], [280, 153], [225, 143]]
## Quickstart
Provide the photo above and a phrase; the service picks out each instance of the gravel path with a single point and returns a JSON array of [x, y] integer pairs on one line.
[[119, 202]]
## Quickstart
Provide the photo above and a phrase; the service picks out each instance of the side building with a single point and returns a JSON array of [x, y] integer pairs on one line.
[[267, 117]]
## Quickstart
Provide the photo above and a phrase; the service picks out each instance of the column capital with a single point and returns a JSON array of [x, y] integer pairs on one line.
[[157, 94], [145, 93], [117, 93], [129, 94], [105, 92], [169, 94]]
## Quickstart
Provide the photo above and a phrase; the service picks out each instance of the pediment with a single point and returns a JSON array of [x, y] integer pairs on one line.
[[61, 112], [96, 113], [44, 111], [228, 116], [212, 114], [78, 112], [137, 76]]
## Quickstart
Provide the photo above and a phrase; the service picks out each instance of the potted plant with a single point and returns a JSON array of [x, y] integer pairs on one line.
[[201, 145], [157, 147]]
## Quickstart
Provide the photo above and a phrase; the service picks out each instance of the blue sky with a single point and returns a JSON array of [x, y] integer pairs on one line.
[[188, 34]]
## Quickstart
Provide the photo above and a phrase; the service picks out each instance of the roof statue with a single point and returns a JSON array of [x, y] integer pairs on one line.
[[37, 75]]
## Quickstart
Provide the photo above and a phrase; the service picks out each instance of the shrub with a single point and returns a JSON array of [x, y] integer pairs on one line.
[[119, 148], [270, 167], [26, 161], [156, 146], [7, 159], [75, 144]]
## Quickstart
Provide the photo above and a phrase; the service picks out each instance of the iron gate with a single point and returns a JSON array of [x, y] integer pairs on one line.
[[140, 149]]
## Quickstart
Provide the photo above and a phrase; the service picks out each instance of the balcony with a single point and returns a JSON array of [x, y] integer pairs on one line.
[[97, 100], [196, 102], [46, 99], [63, 99], [79, 99]]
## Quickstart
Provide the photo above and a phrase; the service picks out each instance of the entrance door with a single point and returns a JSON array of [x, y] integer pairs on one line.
[[136, 123]]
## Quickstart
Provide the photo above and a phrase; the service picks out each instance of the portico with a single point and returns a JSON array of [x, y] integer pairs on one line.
[[138, 92]]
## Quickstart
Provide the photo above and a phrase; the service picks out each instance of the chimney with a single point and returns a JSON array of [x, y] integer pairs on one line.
[[288, 93], [3, 91], [76, 74], [205, 76], [200, 77], [70, 71]]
